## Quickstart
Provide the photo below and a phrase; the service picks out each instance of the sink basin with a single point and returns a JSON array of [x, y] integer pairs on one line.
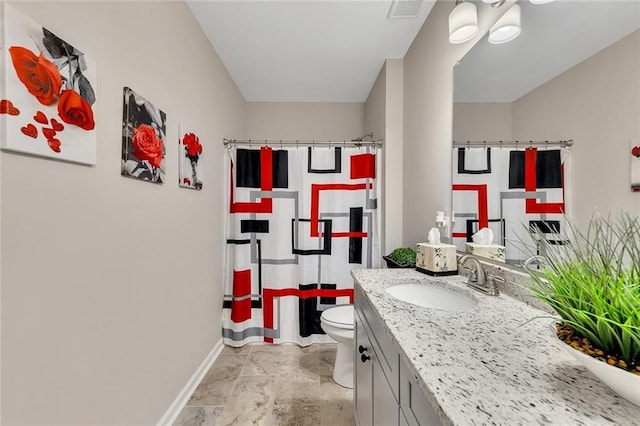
[[431, 296]]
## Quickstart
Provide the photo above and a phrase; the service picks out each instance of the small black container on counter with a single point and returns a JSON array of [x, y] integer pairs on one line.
[[393, 264]]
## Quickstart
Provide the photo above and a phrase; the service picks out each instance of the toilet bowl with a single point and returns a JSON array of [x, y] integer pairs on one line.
[[337, 322]]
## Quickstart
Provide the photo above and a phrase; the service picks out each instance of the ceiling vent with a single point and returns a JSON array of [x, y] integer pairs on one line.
[[404, 9]]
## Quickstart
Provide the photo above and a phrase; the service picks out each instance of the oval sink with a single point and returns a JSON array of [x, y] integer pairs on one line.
[[430, 296]]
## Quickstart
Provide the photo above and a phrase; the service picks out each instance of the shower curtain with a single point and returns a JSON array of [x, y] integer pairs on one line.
[[299, 220], [510, 191]]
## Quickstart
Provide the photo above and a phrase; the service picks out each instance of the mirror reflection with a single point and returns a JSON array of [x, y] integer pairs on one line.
[[536, 90]]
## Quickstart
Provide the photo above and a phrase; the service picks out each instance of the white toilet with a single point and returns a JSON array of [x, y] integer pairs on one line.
[[337, 322]]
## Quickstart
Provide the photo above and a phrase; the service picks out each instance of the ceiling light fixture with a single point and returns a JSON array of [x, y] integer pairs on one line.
[[463, 22], [507, 27], [497, 3], [540, 1]]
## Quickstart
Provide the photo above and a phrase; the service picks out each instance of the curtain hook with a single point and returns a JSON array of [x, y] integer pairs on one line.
[[468, 144], [297, 144], [280, 143], [484, 145], [500, 145]]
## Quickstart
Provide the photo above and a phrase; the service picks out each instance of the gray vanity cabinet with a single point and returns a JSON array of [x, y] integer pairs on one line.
[[376, 373], [363, 370], [416, 409], [385, 393]]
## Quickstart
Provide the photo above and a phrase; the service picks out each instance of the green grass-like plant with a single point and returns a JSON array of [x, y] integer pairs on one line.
[[593, 282]]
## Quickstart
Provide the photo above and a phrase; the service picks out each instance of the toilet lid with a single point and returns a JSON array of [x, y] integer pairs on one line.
[[339, 316]]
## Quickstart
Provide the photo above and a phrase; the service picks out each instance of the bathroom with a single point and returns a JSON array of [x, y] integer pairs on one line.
[[108, 306]]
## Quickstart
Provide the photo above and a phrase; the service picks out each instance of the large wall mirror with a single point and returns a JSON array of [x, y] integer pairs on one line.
[[536, 90]]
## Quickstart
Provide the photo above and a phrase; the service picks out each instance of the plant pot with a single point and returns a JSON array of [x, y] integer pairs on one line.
[[624, 383], [393, 264]]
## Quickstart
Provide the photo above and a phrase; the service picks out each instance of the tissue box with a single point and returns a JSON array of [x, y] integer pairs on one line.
[[488, 251], [436, 259]]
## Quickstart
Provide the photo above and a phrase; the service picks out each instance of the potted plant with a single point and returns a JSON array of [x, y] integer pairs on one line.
[[404, 257], [593, 283]]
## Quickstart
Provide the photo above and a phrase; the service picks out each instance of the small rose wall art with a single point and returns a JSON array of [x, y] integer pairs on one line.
[[634, 148], [189, 156], [48, 97], [143, 134]]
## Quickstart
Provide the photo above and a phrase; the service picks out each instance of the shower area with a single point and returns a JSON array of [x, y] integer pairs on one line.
[[301, 214]]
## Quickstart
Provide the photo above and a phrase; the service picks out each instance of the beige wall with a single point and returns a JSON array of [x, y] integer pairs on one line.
[[111, 293], [481, 122], [383, 117], [596, 103], [304, 120], [375, 117], [428, 100]]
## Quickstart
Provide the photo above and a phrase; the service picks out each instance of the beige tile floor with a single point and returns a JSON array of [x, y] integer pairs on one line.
[[270, 385]]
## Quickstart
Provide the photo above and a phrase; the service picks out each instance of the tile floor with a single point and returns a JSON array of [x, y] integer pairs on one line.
[[273, 385]]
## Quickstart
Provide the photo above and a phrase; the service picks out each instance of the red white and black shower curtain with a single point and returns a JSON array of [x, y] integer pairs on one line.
[[510, 191], [300, 219]]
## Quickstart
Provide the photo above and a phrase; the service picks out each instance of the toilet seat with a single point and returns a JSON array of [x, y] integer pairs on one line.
[[339, 316]]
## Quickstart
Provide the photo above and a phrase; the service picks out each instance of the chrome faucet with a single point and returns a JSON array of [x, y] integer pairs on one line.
[[477, 278], [535, 258]]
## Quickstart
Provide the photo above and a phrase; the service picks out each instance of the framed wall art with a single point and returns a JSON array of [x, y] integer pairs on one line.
[[189, 158], [143, 134], [48, 92], [634, 147]]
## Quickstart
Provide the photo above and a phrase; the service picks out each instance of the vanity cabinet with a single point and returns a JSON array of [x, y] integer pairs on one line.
[[416, 409], [375, 402], [386, 393], [363, 370], [376, 367]]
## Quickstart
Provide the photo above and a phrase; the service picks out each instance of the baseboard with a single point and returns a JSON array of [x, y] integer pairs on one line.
[[178, 404]]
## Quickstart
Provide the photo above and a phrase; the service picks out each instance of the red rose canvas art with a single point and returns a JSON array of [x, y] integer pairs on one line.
[[143, 134], [635, 164], [47, 98], [189, 157]]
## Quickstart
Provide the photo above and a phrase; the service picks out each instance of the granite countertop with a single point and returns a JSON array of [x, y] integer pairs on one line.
[[491, 365]]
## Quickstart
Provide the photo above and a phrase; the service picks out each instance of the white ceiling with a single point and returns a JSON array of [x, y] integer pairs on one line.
[[555, 37], [333, 50], [304, 50]]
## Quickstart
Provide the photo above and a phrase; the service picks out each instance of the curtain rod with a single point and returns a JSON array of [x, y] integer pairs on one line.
[[300, 143], [510, 144]]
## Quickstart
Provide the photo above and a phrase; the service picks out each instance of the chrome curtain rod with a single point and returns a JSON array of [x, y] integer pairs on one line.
[[300, 143], [511, 144]]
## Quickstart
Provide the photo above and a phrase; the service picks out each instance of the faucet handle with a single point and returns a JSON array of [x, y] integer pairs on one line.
[[491, 284], [496, 278]]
